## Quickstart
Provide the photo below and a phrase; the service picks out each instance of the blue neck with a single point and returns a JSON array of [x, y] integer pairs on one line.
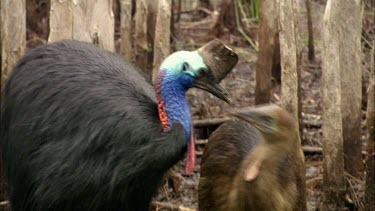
[[172, 94]]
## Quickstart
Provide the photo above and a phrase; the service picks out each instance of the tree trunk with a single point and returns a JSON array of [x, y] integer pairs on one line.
[[370, 119], [12, 47], [61, 20], [152, 13], [13, 34], [126, 49], [178, 10], [311, 55], [227, 18], [203, 4], [140, 39], [268, 47], [89, 26], [37, 13], [162, 36], [351, 83], [79, 20], [333, 159], [276, 66], [290, 52]]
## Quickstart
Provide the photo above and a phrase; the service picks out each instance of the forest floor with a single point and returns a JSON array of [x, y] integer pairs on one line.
[[179, 192], [240, 83]]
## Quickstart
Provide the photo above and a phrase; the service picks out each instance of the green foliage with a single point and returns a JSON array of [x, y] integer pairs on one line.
[[241, 10], [255, 9]]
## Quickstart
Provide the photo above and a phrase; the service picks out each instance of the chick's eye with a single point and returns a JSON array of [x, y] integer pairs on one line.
[[185, 66]]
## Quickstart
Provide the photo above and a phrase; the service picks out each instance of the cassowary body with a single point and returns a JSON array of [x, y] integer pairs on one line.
[[81, 129], [252, 166]]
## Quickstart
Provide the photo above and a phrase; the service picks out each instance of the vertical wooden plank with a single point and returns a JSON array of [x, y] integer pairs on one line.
[[351, 84], [103, 24], [140, 37], [162, 35], [290, 50], [12, 45], [370, 121], [267, 49], [86, 20], [152, 12], [82, 11], [60, 20], [13, 34], [93, 21], [333, 160], [126, 29]]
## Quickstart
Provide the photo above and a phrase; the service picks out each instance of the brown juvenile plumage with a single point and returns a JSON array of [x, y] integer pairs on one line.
[[251, 164]]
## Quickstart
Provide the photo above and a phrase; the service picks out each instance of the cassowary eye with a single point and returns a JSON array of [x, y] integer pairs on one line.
[[185, 66], [201, 72]]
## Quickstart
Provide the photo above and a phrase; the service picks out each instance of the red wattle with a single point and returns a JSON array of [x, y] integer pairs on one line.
[[190, 157], [162, 114]]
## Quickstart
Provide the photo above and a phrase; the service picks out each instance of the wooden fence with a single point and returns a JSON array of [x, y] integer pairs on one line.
[[92, 21]]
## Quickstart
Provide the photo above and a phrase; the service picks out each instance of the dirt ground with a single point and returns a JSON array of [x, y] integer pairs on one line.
[[179, 192]]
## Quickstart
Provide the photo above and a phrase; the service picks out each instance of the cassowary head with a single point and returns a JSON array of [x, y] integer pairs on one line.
[[179, 72], [188, 69]]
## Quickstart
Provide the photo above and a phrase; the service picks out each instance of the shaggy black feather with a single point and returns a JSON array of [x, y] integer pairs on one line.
[[80, 131]]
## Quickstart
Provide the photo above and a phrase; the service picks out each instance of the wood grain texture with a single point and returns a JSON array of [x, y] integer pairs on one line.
[[13, 35], [162, 46], [85, 20], [370, 162], [126, 29], [333, 159], [140, 36], [290, 51]]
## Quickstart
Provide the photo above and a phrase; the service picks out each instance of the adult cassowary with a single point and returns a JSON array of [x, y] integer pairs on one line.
[[81, 129]]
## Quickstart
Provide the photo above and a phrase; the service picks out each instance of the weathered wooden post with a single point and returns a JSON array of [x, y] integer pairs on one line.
[[351, 83], [12, 47], [13, 34], [269, 50], [140, 36], [290, 51], [370, 119], [85, 20], [333, 158], [162, 40], [126, 29]]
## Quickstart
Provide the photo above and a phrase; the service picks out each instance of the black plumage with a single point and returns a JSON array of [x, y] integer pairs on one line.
[[80, 131]]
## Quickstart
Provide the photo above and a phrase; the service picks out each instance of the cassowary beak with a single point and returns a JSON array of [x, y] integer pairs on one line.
[[209, 85]]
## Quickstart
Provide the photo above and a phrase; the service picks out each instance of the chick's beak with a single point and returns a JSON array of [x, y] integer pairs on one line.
[[209, 85]]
